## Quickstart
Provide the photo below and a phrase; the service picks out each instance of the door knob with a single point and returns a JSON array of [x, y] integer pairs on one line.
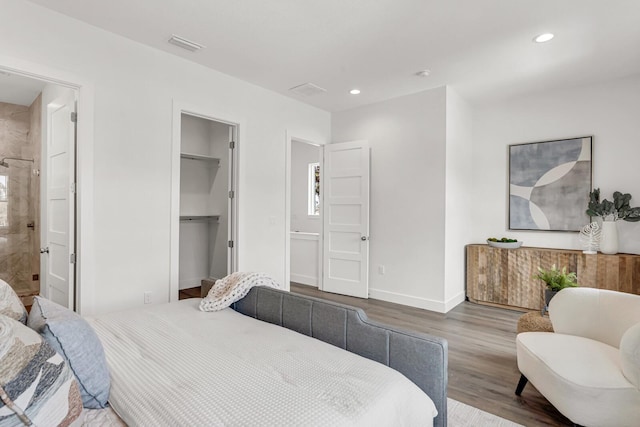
[[364, 238], [44, 250]]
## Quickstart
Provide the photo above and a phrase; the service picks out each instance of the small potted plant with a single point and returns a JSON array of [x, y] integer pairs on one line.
[[555, 281]]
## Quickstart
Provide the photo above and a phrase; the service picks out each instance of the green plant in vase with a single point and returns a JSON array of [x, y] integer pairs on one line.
[[610, 212], [555, 280], [619, 208]]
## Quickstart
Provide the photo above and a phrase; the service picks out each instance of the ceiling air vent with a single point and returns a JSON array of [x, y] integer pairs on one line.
[[184, 43], [307, 89]]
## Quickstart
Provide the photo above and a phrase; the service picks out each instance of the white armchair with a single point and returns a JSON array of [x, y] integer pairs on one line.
[[589, 369]]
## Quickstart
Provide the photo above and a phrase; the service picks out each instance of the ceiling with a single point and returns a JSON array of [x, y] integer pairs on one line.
[[483, 49], [19, 90]]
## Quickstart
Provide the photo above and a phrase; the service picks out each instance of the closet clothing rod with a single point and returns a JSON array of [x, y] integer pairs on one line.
[[199, 218]]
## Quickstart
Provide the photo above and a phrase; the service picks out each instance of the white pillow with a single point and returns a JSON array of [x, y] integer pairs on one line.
[[10, 304], [630, 355]]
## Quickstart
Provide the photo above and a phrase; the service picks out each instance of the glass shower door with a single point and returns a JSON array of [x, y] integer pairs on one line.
[[17, 227]]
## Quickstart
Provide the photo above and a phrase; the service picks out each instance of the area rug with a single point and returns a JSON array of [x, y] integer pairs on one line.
[[461, 415]]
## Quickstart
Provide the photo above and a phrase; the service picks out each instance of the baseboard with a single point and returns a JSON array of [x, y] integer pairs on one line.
[[304, 279], [452, 302], [412, 301], [304, 284], [189, 283]]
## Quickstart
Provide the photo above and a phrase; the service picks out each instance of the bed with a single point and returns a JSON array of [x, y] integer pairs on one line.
[[254, 364]]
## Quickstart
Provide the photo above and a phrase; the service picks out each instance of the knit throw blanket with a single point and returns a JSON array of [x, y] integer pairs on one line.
[[232, 288]]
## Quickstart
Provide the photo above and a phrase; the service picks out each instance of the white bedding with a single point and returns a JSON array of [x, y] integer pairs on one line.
[[172, 364], [98, 418]]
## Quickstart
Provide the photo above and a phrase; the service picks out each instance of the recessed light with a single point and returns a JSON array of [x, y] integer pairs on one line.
[[354, 91], [542, 38], [423, 73], [184, 43]]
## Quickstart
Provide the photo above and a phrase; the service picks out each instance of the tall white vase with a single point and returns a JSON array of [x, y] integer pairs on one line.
[[609, 239]]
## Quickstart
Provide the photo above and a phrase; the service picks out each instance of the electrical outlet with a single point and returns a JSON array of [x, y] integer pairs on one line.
[[147, 297], [381, 270]]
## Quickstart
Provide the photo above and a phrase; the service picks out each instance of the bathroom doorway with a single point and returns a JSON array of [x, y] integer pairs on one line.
[[305, 211], [37, 200], [343, 216]]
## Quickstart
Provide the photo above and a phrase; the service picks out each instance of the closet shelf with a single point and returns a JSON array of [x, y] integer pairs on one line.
[[199, 217], [192, 156]]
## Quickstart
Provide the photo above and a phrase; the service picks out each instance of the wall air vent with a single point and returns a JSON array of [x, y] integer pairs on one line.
[[307, 89], [184, 43]]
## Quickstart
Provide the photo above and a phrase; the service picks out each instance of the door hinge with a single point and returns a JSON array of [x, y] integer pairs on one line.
[[72, 258], [74, 117], [230, 243], [232, 194], [72, 187], [232, 145]]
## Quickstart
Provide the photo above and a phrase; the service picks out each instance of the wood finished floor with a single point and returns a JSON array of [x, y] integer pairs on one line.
[[482, 353], [189, 293]]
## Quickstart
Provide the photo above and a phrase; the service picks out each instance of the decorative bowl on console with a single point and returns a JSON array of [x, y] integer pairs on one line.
[[504, 243]]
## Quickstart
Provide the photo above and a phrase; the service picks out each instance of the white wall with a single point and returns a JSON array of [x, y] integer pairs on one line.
[[301, 155], [609, 111], [408, 151], [305, 258], [196, 176], [133, 90], [459, 208]]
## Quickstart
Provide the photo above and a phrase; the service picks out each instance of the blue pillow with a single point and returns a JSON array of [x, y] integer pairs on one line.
[[72, 337]]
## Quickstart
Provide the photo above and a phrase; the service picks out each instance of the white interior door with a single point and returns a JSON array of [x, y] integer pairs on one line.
[[60, 202], [231, 207], [346, 218]]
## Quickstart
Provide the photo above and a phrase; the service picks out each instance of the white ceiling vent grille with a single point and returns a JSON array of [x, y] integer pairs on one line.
[[308, 89], [184, 43]]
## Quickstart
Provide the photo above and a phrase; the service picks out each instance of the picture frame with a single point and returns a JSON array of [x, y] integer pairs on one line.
[[549, 184]]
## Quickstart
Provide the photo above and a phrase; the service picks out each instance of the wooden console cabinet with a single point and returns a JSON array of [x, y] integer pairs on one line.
[[505, 276]]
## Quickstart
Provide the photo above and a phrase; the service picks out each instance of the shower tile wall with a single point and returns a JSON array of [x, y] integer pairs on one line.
[[19, 259], [35, 142]]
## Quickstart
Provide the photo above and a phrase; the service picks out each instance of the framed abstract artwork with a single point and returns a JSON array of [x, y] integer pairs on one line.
[[549, 184]]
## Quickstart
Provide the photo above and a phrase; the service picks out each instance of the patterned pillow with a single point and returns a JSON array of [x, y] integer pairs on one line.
[[40, 387], [232, 288], [72, 337], [10, 304]]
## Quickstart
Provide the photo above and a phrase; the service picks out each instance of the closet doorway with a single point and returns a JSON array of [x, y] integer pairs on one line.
[[205, 201]]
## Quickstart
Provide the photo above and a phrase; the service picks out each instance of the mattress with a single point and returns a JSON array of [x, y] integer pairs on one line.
[[172, 364]]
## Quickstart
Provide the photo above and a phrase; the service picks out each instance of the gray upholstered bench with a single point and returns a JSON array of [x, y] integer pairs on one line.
[[420, 357]]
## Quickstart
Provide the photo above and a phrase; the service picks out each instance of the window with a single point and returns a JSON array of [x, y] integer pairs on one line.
[[314, 189], [3, 200]]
